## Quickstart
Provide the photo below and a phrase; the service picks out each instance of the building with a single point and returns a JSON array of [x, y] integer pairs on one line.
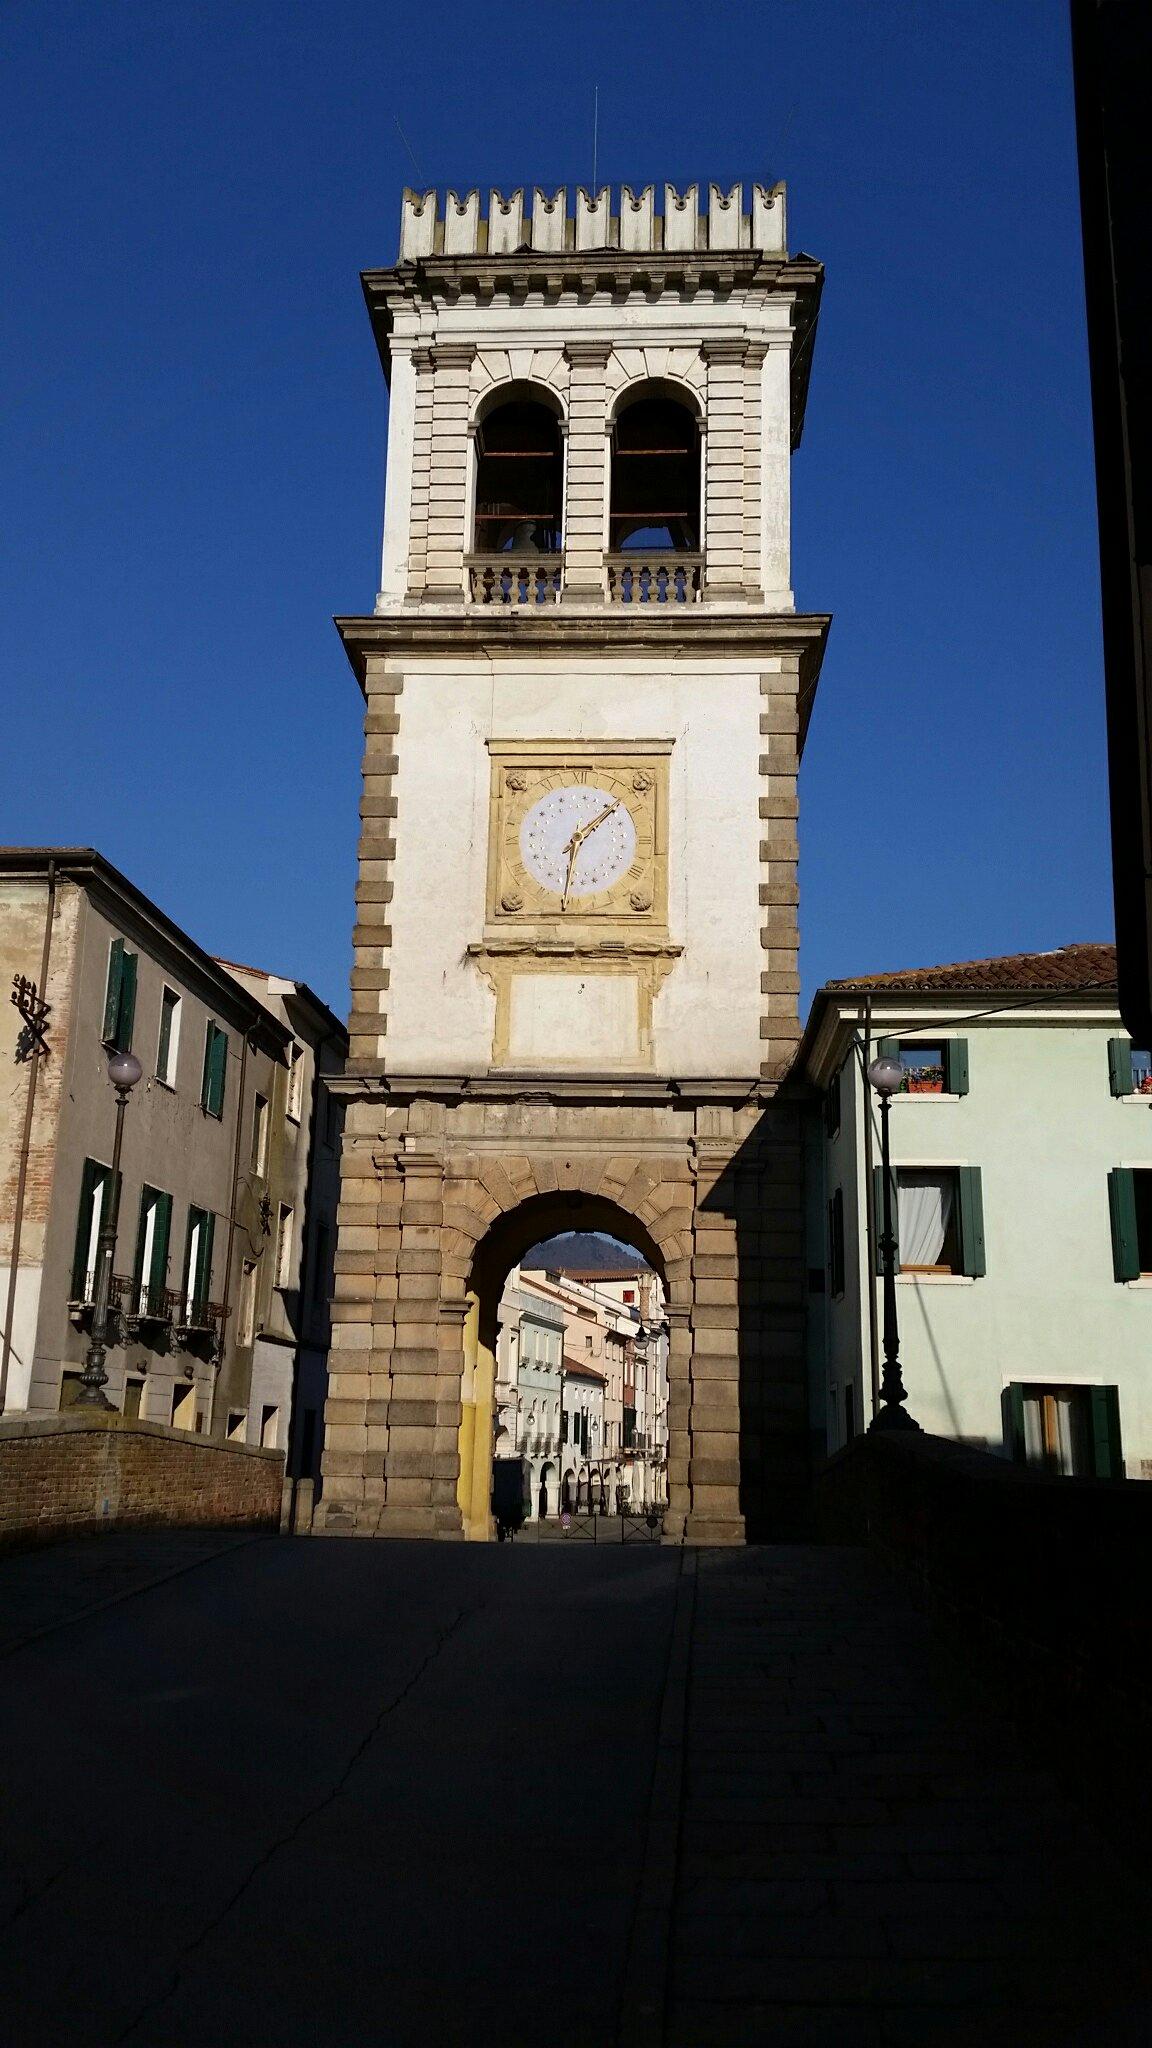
[[1022, 1156], [566, 1345], [586, 686], [221, 1215]]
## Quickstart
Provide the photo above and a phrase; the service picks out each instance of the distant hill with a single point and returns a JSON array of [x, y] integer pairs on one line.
[[583, 1251]]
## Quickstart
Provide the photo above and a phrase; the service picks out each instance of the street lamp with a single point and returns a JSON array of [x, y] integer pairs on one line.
[[887, 1077], [124, 1070]]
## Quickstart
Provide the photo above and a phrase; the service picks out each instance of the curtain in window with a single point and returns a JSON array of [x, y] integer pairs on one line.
[[925, 1209]]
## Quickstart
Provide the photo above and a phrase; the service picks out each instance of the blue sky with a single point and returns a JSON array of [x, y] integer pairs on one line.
[[193, 464]]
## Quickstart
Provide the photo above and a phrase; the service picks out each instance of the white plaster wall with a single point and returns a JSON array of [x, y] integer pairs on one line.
[[1041, 1124], [441, 1012]]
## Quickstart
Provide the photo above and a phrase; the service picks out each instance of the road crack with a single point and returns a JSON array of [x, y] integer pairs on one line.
[[291, 1834]]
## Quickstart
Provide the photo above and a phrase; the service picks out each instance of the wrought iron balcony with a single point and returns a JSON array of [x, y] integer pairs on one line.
[[529, 579], [664, 578]]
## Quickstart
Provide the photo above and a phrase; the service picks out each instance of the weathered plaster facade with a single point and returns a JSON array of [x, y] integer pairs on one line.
[[517, 1067]]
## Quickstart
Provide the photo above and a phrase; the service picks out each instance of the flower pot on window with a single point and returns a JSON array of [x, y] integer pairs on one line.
[[929, 1082]]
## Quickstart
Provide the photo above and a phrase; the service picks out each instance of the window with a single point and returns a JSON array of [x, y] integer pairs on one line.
[[836, 1242], [655, 497], [169, 1037], [120, 997], [629, 1294], [246, 1320], [295, 1080], [1129, 1068], [260, 1134], [284, 1247], [1130, 1207], [938, 1218], [184, 1405], [832, 1107], [237, 1425], [519, 479], [197, 1282], [130, 1405], [150, 1271], [931, 1067], [1073, 1432], [95, 1191], [270, 1428], [215, 1070]]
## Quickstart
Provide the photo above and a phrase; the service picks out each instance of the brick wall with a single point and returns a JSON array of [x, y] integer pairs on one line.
[[63, 1475]]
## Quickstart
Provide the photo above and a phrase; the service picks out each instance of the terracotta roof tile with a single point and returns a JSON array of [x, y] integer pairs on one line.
[[1067, 968]]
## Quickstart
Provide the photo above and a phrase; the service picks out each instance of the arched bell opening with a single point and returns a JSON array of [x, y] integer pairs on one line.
[[655, 491], [519, 474]]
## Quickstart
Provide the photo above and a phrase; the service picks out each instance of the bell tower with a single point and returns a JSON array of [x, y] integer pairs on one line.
[[587, 685]]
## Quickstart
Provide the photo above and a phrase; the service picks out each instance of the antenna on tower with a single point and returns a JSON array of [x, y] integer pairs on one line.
[[595, 134], [408, 147]]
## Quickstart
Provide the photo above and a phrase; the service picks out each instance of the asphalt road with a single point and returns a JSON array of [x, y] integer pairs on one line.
[[334, 1793]]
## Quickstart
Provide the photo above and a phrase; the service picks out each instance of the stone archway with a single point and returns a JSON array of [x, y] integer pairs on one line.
[[508, 1237]]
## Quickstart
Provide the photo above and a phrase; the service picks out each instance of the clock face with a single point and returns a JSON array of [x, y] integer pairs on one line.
[[577, 840]]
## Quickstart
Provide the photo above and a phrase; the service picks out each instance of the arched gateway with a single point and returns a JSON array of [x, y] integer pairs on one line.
[[575, 985]]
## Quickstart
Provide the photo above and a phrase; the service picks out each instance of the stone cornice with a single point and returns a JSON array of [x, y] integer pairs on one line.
[[503, 1086]]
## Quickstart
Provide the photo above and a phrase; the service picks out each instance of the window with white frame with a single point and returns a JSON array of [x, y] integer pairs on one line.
[[169, 1038], [295, 1096], [284, 1247], [938, 1218]]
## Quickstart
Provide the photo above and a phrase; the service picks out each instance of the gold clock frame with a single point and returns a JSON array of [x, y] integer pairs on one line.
[[522, 772]]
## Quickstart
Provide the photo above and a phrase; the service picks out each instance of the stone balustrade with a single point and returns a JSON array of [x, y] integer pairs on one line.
[[515, 579], [653, 579], [454, 226]]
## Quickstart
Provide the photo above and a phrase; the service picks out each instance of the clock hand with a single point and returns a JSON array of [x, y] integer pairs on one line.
[[581, 833]]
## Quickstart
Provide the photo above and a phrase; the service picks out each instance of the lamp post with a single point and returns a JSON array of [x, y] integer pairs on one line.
[[887, 1076], [124, 1070]]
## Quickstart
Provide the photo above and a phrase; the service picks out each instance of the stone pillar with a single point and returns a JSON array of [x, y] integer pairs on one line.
[[753, 470], [774, 1428], [423, 1429], [395, 571], [422, 368], [776, 475], [587, 476], [714, 1417], [448, 471], [724, 470], [679, 1409], [779, 889], [372, 938]]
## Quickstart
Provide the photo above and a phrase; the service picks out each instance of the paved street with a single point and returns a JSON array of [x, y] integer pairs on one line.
[[335, 1792]]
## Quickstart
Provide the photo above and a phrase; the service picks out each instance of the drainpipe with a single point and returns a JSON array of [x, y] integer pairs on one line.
[[869, 1210], [26, 1146], [224, 1305]]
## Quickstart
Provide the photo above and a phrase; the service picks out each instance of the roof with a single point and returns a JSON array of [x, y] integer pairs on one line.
[[575, 1368], [1067, 968]]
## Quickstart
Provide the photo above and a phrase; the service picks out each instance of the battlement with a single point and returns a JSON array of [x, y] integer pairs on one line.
[[457, 227]]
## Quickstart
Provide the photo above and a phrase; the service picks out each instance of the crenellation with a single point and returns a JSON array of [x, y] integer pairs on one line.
[[449, 225]]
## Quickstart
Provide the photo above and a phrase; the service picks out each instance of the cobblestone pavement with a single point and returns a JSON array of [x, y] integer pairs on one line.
[[344, 1793], [866, 1854]]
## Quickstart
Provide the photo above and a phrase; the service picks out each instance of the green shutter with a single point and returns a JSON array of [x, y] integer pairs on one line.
[[206, 1075], [112, 993], [89, 1181], [1120, 1065], [219, 1069], [888, 1049], [127, 1016], [1108, 1461], [1012, 1404], [956, 1066], [204, 1262], [146, 1197], [878, 1214], [972, 1257], [158, 1272], [1122, 1209]]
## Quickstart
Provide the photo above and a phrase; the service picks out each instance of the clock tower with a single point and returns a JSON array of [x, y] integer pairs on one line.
[[587, 686]]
